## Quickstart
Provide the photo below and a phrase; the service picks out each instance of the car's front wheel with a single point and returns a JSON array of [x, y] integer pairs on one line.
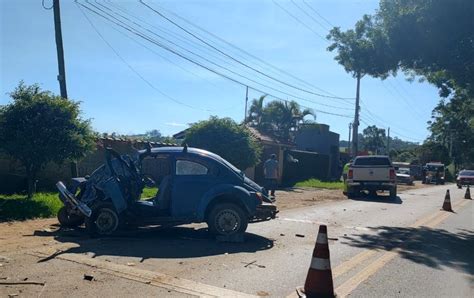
[[69, 220], [103, 221], [227, 219]]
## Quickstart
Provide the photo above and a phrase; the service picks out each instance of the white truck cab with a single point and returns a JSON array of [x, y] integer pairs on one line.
[[371, 173]]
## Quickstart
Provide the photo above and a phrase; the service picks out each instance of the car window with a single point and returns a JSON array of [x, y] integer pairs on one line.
[[372, 161], [467, 173], [187, 167]]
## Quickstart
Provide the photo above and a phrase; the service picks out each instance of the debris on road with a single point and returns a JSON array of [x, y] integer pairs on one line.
[[248, 264], [253, 263], [282, 234], [88, 277], [334, 239], [299, 235], [130, 264], [12, 283]]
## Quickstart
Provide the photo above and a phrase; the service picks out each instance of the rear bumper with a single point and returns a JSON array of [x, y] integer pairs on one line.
[[362, 185], [265, 212]]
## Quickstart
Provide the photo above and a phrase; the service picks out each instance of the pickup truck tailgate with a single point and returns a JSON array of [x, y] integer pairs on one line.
[[371, 174]]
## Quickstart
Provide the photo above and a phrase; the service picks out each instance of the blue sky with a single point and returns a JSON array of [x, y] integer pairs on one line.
[[117, 98]]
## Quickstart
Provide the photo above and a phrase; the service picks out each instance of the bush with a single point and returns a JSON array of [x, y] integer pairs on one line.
[[226, 138]]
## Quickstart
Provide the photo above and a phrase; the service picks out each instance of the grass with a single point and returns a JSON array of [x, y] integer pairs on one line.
[[315, 183], [19, 207], [42, 205]]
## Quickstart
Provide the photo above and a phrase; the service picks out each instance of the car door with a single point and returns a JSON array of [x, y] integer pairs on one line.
[[192, 179]]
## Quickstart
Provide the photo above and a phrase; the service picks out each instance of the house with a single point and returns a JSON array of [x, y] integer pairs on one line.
[[318, 138]]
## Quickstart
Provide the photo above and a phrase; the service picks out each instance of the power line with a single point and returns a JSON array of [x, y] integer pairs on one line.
[[213, 63], [140, 34], [299, 21], [316, 12], [234, 59], [247, 53], [132, 68], [310, 16], [197, 63]]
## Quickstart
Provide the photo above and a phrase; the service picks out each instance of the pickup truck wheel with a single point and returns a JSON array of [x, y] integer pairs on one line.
[[69, 220], [103, 221], [227, 219], [393, 193]]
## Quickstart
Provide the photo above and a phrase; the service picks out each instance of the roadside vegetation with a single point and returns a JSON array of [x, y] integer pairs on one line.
[[20, 207], [316, 183]]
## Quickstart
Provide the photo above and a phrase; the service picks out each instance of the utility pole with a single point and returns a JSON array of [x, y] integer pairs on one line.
[[349, 145], [59, 49], [355, 125], [388, 142], [61, 67], [246, 101]]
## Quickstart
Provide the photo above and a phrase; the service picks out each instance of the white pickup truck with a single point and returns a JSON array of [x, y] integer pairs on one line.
[[371, 173]]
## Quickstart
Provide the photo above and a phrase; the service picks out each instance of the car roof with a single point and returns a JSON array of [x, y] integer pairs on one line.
[[372, 156]]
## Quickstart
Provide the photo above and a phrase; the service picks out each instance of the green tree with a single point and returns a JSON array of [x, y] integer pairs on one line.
[[255, 114], [452, 126], [374, 139], [38, 127], [226, 138], [432, 151], [440, 38]]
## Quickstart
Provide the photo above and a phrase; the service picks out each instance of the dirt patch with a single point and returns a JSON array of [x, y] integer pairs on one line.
[[303, 197]]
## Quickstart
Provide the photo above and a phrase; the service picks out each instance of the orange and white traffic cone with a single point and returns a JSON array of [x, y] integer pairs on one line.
[[319, 279], [467, 195], [447, 202]]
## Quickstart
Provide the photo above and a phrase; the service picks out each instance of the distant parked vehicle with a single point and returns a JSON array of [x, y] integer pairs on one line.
[[435, 172], [465, 177], [371, 173], [404, 176]]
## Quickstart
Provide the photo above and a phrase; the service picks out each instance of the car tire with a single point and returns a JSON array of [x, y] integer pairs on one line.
[[227, 219], [393, 193], [104, 220], [351, 193], [69, 220]]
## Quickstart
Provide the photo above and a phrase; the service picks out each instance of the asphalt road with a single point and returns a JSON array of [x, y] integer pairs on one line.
[[379, 247]]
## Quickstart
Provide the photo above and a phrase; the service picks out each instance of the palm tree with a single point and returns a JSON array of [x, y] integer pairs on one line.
[[284, 117], [256, 109]]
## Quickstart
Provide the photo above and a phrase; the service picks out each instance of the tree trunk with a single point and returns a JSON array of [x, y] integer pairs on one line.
[[31, 178]]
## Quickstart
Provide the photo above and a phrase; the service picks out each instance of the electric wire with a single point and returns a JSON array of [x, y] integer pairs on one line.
[[140, 34], [234, 59], [274, 68], [133, 69], [316, 12], [299, 21], [201, 65], [310, 16]]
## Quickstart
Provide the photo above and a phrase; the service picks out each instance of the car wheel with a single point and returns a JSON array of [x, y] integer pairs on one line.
[[69, 220], [227, 219], [351, 193], [103, 221], [393, 193]]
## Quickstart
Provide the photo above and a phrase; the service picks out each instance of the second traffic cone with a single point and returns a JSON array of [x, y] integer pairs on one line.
[[467, 195], [319, 279], [447, 202]]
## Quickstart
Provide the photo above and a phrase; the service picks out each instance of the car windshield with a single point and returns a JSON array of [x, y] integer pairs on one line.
[[403, 171], [467, 173], [372, 161], [433, 168]]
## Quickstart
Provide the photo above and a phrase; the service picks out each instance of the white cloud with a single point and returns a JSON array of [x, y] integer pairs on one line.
[[175, 124]]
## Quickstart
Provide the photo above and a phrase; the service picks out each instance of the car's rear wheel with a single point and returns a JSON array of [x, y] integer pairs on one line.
[[227, 219], [104, 220], [393, 192], [69, 220]]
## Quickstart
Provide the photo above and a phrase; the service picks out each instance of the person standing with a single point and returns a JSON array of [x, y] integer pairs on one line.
[[270, 170]]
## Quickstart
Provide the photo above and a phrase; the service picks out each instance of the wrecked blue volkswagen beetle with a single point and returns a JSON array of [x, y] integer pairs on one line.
[[198, 186]]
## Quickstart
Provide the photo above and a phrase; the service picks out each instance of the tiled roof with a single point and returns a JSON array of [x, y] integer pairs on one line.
[[266, 138]]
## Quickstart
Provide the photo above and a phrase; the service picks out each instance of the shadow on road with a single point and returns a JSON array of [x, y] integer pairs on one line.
[[176, 242], [431, 247], [377, 198]]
